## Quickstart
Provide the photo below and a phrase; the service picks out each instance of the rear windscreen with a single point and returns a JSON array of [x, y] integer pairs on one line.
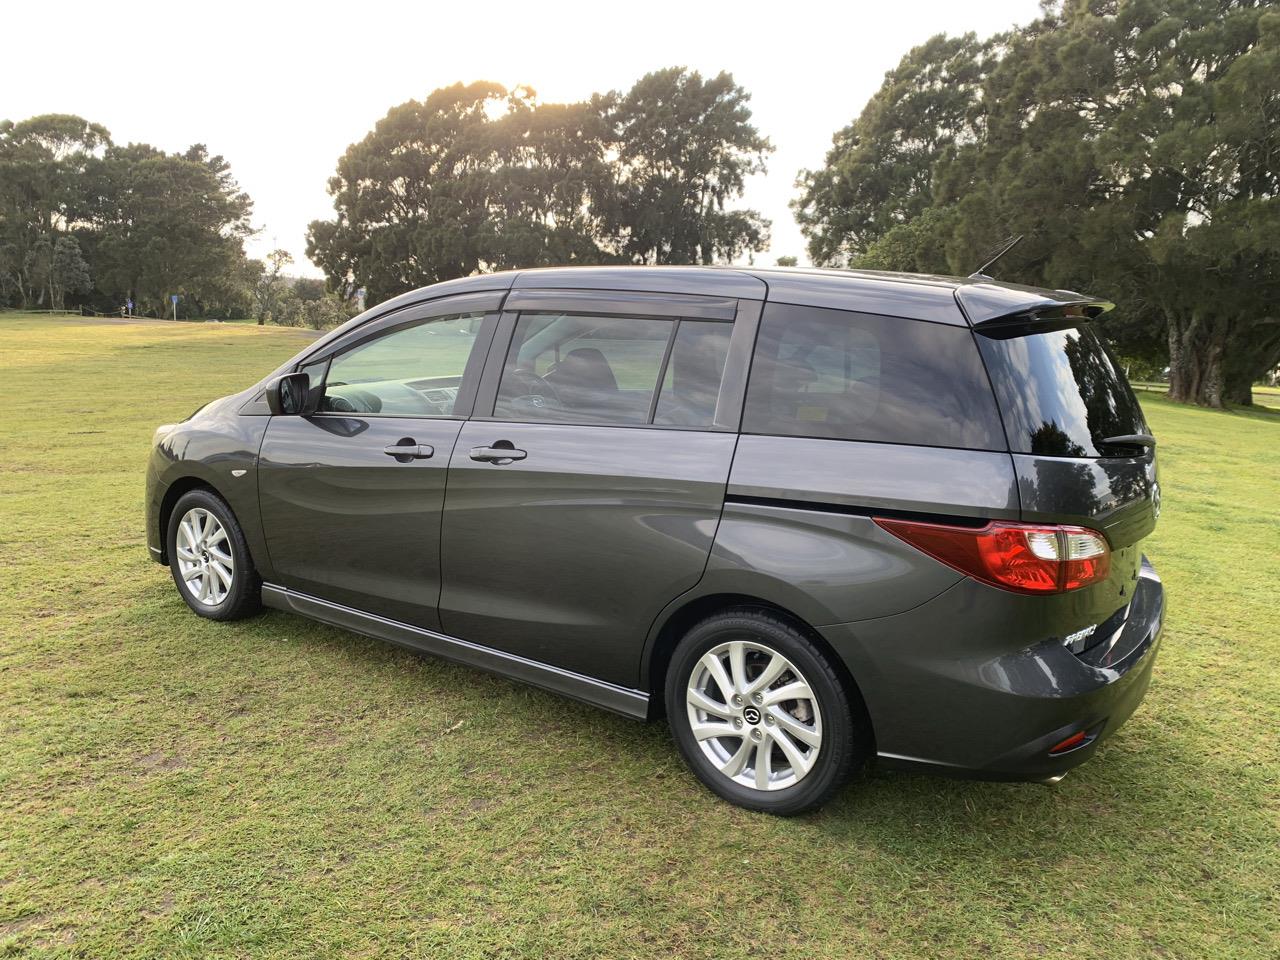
[[1061, 393]]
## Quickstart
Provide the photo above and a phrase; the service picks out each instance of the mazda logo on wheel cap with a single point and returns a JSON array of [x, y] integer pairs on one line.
[[751, 715]]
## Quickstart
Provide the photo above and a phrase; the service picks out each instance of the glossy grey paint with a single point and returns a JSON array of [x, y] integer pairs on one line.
[[887, 476], [824, 567], [567, 556], [977, 680], [207, 448], [1115, 496], [344, 521], [892, 297], [567, 575]]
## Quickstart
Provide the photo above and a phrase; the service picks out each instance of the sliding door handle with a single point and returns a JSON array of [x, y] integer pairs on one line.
[[502, 452]]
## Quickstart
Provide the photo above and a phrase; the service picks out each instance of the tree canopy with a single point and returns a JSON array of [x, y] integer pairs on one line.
[[1131, 141], [79, 213], [476, 177]]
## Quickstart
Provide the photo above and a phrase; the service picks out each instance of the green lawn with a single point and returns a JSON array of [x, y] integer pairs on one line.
[[175, 787]]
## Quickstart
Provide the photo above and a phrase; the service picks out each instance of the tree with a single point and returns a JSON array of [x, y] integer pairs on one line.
[[788, 261], [1130, 141], [57, 269], [42, 166], [879, 171], [472, 178], [476, 177], [685, 147], [269, 286], [167, 223]]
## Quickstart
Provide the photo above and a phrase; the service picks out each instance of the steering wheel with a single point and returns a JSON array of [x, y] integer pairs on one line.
[[357, 401], [527, 389]]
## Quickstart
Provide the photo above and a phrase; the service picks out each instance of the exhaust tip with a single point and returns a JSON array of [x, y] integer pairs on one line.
[[1056, 778]]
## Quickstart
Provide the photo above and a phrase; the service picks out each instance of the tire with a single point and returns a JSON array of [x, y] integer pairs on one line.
[[198, 573], [826, 734]]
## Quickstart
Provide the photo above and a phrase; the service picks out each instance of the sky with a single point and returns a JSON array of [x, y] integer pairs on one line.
[[281, 89]]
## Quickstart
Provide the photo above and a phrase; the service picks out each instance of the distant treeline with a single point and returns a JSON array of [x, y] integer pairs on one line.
[[1133, 142], [88, 221], [474, 178]]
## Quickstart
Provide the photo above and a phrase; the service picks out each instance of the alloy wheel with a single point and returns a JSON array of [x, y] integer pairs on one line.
[[754, 715], [205, 560]]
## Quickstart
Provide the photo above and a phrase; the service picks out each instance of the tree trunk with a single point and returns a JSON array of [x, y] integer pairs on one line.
[[1183, 374], [1196, 355]]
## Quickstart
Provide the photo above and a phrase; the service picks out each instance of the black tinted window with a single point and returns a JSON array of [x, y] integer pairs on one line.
[[578, 368], [853, 376], [583, 369], [1060, 393]]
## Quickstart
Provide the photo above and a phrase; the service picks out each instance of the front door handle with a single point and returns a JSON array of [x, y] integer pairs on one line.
[[407, 450], [502, 452]]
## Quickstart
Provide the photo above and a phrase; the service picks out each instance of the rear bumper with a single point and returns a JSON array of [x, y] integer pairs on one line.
[[971, 685]]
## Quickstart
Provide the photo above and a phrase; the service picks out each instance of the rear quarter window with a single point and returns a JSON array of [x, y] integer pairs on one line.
[[837, 374]]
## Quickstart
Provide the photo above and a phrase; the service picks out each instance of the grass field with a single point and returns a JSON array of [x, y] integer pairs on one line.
[[179, 788]]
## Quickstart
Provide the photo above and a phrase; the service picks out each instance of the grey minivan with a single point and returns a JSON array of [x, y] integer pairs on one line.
[[811, 517]]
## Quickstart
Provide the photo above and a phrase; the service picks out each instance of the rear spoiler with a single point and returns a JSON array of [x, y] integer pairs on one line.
[[996, 306]]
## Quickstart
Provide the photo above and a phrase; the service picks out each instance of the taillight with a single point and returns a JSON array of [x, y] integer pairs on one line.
[[1028, 558]]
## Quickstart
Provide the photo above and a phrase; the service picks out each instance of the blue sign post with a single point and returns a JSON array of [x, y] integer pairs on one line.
[[174, 298]]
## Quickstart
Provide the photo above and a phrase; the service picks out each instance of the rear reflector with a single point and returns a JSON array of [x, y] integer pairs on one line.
[[1073, 741], [1023, 557]]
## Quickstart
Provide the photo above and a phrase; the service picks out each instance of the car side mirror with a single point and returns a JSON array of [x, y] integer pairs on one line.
[[290, 396]]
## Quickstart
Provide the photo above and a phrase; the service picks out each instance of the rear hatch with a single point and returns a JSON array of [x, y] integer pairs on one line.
[[1081, 448]]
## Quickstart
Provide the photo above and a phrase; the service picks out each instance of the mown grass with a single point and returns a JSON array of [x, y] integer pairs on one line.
[[174, 787]]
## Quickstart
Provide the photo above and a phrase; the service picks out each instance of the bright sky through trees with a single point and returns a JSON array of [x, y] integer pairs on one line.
[[282, 90]]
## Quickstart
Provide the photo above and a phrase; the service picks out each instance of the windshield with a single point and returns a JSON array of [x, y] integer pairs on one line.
[[1061, 393]]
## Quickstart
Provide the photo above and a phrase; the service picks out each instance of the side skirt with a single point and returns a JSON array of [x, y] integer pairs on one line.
[[629, 703]]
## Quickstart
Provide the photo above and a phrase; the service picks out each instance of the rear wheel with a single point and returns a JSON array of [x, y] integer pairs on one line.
[[210, 560], [761, 715]]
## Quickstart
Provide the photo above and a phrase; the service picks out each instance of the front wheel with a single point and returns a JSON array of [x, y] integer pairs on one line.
[[761, 715], [210, 560]]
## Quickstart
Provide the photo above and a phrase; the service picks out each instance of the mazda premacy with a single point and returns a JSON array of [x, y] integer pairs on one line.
[[811, 518]]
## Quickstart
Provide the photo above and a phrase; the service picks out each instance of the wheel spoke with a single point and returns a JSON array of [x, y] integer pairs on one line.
[[222, 558], [801, 731], [206, 585], [738, 665], [219, 534], [733, 766], [197, 524], [706, 731], [716, 669], [774, 669], [186, 553], [764, 763], [700, 701], [799, 764], [189, 575], [188, 531], [223, 574], [796, 690]]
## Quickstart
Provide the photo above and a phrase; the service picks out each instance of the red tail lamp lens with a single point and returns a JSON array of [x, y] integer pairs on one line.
[[1026, 558]]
